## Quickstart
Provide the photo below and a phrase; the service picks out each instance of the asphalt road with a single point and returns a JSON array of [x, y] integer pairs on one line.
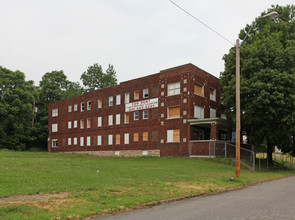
[[270, 200]]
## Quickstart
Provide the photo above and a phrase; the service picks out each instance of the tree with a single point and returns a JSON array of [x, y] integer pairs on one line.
[[95, 78], [16, 100], [267, 81]]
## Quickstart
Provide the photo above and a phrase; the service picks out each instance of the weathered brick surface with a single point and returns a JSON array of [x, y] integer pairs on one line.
[[157, 124]]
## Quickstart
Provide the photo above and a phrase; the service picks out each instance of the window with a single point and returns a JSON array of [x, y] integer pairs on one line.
[[145, 93], [82, 124], [110, 119], [99, 140], [81, 141], [135, 137], [198, 112], [69, 124], [110, 139], [75, 107], [118, 99], [118, 139], [75, 141], [99, 121], [75, 124], [82, 106], [126, 138], [89, 105], [54, 143], [69, 108], [136, 115], [212, 113], [88, 123], [174, 112], [69, 141], [173, 135], [136, 95], [99, 103], [88, 141], [145, 136], [199, 89], [54, 127], [212, 94], [145, 114], [111, 101], [118, 116], [174, 89], [126, 118], [54, 112], [127, 97]]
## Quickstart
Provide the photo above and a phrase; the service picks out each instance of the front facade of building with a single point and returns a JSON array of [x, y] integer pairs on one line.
[[163, 114]]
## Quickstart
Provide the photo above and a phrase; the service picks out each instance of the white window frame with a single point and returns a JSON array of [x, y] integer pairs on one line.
[[212, 113], [69, 141], [135, 116], [54, 112], [75, 141], [88, 142], [170, 135], [99, 140], [75, 107], [212, 97], [145, 93], [118, 119], [126, 138], [54, 143], [75, 124], [144, 115], [118, 99], [69, 124], [99, 121], [100, 99], [173, 89], [88, 105], [110, 120], [82, 107], [70, 108], [110, 139], [111, 101], [127, 97], [168, 111], [82, 141], [54, 128], [198, 112]]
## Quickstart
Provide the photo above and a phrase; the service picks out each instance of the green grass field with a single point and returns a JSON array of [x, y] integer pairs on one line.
[[97, 186]]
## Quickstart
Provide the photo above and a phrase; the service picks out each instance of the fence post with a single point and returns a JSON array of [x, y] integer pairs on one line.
[[254, 157], [225, 153]]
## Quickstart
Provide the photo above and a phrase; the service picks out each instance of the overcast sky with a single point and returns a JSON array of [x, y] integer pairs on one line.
[[139, 37]]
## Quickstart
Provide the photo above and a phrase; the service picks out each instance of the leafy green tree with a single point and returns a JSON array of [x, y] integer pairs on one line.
[[95, 78], [267, 81], [16, 100]]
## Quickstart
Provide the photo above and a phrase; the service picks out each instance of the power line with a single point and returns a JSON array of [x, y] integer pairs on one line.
[[200, 22]]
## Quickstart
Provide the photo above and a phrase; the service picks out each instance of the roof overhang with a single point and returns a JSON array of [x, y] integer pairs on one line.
[[206, 121]]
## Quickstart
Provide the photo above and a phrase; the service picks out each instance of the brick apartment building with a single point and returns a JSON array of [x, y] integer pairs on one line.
[[175, 112]]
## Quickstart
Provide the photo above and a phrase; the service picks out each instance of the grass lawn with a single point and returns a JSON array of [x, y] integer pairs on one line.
[[104, 185]]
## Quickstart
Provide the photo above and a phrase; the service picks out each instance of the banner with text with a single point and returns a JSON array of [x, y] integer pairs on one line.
[[141, 105]]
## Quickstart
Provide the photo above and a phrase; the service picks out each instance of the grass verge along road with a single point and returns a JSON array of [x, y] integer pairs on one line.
[[98, 186]]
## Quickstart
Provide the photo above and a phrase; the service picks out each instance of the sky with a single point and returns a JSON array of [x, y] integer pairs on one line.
[[138, 37]]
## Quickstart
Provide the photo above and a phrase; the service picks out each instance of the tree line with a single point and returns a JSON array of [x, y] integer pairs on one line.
[[24, 106]]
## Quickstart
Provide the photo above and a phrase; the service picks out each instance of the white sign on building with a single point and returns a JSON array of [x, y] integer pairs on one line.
[[141, 105]]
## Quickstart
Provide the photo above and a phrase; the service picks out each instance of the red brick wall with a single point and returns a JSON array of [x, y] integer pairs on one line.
[[157, 124]]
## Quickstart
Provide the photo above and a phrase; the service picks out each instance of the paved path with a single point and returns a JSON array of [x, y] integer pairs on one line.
[[270, 200]]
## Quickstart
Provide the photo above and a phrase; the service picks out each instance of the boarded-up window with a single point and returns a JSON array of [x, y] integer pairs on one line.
[[173, 135], [99, 103], [136, 95], [212, 94], [198, 112], [117, 139], [135, 137], [174, 112], [198, 89], [212, 113], [127, 118], [88, 123], [145, 136], [154, 135], [82, 123]]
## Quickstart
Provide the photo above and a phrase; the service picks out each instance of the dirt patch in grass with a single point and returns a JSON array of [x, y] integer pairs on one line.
[[39, 197]]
